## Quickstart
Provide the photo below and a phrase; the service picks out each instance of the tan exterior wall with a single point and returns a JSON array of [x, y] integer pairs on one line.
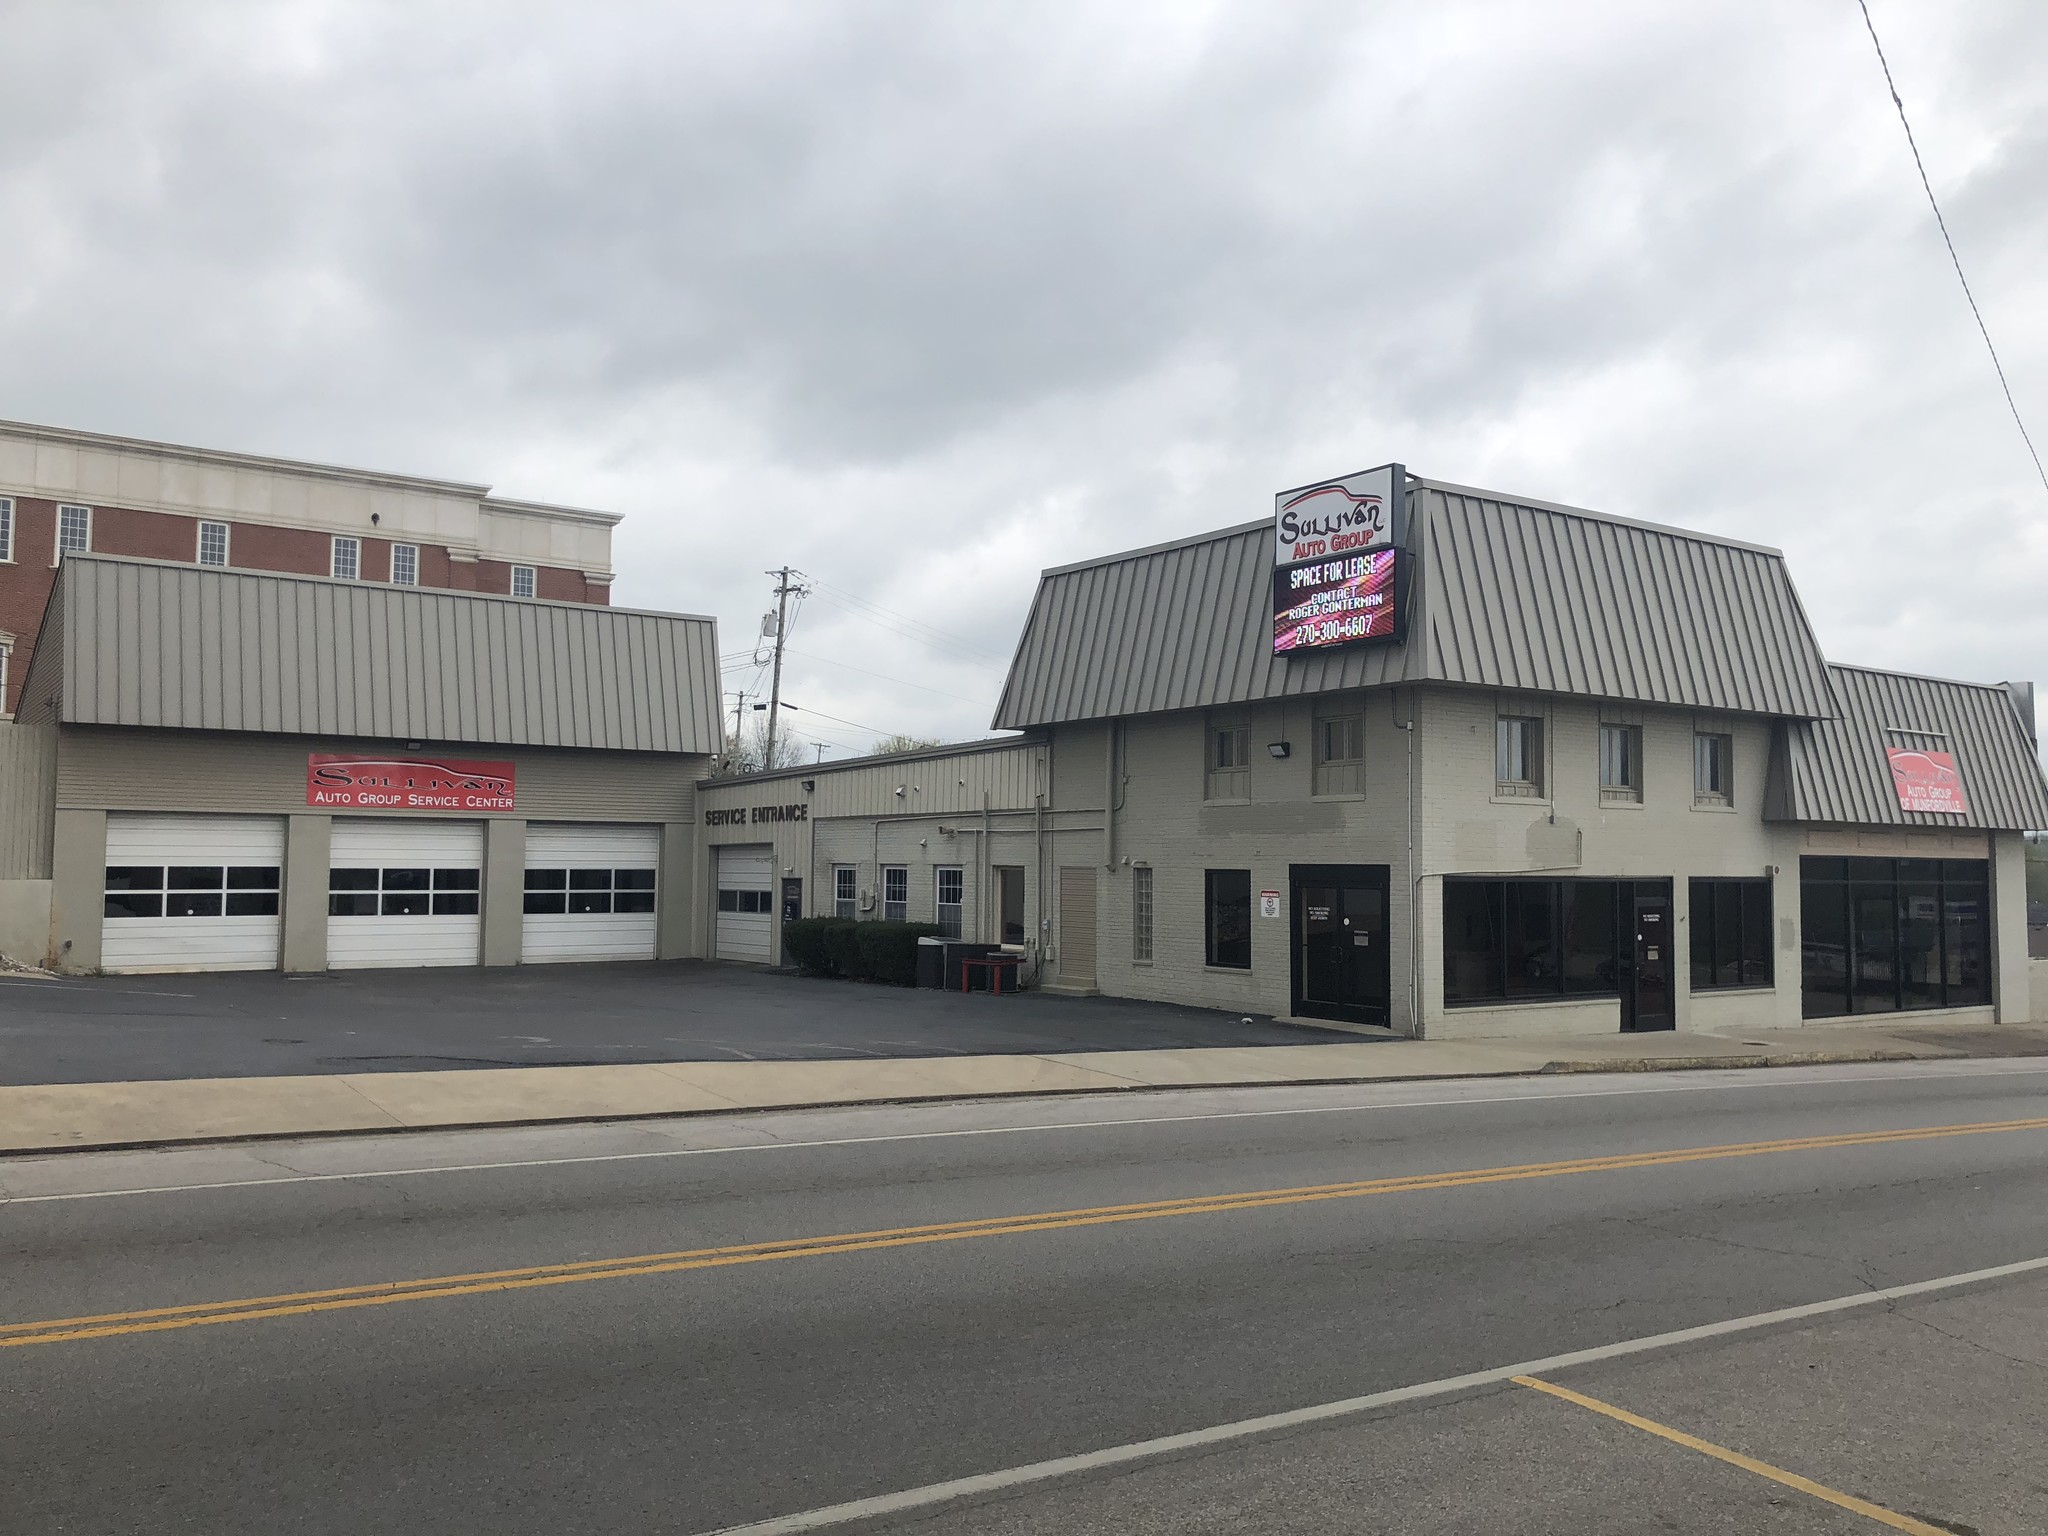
[[25, 921], [2039, 987], [28, 771], [102, 769]]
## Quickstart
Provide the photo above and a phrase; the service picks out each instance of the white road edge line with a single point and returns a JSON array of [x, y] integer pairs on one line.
[[1981, 1069], [1243, 1429]]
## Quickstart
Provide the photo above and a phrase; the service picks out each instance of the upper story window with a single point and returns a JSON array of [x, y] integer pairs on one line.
[[1621, 762], [213, 543], [7, 530], [74, 530], [348, 559], [1518, 756], [1713, 768], [522, 581], [1229, 764], [405, 565], [1340, 755]]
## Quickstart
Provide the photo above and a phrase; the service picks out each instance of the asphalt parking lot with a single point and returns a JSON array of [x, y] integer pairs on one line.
[[1932, 1413], [255, 1024]]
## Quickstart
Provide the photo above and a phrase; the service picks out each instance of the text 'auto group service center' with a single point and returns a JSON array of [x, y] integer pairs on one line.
[[1415, 755]]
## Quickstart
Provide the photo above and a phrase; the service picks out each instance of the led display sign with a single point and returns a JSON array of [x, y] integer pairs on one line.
[[1335, 602]]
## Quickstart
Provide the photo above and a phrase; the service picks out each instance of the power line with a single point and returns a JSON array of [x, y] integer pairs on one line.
[[1921, 165], [885, 677], [878, 730], [902, 623]]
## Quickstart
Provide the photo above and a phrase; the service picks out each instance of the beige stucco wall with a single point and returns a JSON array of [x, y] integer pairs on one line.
[[2039, 989], [25, 921]]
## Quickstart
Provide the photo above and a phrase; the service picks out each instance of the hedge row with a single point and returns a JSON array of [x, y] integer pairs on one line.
[[839, 946]]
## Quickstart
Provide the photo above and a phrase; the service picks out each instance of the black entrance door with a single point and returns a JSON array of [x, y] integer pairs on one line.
[[1339, 917], [1648, 961]]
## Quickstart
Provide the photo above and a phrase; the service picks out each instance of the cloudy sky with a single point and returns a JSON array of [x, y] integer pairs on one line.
[[923, 297]]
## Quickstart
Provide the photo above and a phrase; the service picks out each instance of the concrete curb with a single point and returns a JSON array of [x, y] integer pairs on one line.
[[216, 1120]]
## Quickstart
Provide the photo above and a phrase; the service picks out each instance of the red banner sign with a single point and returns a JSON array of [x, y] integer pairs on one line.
[[1927, 781], [337, 782]]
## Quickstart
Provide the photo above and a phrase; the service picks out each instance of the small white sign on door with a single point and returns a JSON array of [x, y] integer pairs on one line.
[[1269, 903]]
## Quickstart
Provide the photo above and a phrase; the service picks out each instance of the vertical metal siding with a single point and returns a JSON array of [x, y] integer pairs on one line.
[[197, 648]]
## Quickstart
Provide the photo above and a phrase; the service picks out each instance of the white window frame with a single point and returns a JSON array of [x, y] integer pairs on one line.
[[1718, 749], [1627, 789], [199, 543], [1141, 914], [355, 557], [846, 890], [1519, 743], [414, 551], [1342, 777], [1226, 758], [896, 907], [940, 904], [6, 530], [83, 549], [532, 581]]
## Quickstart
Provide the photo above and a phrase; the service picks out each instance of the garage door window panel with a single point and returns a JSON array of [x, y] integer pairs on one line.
[[547, 892]]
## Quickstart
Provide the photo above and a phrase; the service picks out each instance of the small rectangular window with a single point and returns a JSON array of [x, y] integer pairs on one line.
[[1621, 762], [347, 562], [522, 581], [896, 894], [405, 565], [1228, 774], [1518, 756], [1228, 918], [213, 543], [6, 530], [845, 891], [74, 530], [1141, 912], [1340, 755], [1713, 757], [950, 887]]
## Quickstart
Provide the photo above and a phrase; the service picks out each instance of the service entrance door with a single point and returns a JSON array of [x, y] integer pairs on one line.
[[745, 926], [1341, 964], [1647, 958]]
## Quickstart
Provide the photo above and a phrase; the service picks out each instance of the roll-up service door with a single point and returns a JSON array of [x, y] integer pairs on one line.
[[746, 904], [192, 893], [402, 893], [589, 892]]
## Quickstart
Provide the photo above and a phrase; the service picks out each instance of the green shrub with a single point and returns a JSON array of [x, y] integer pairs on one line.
[[806, 943], [889, 950], [842, 947]]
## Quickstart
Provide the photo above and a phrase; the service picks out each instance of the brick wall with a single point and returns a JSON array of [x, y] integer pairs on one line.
[[25, 582]]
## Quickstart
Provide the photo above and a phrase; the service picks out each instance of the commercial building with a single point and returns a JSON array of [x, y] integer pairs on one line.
[[217, 769], [63, 491], [1417, 756]]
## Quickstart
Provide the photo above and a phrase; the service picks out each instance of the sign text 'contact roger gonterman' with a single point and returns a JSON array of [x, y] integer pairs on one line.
[[339, 782]]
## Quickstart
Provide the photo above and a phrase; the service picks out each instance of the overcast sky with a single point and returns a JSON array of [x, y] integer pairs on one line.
[[921, 298]]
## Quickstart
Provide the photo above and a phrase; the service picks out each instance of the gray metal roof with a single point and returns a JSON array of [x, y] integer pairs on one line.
[[1835, 770], [1508, 594], [142, 642]]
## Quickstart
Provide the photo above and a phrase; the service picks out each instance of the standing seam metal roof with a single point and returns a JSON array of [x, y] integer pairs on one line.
[[1505, 594], [149, 643], [1836, 770]]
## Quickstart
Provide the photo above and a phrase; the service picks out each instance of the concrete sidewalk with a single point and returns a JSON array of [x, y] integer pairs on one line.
[[84, 1116]]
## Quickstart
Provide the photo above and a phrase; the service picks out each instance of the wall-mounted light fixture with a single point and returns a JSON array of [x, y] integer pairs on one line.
[[1280, 748], [809, 785]]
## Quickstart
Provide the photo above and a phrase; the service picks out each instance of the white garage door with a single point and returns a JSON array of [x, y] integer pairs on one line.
[[192, 893], [746, 904], [589, 892], [405, 893]]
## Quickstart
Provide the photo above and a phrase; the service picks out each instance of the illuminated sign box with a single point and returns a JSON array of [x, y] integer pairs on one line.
[[1342, 601]]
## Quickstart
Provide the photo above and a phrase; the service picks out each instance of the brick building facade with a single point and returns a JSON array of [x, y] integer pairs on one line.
[[65, 489]]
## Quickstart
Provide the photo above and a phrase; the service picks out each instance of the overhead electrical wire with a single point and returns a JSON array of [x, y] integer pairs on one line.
[[885, 677], [1983, 330], [903, 624]]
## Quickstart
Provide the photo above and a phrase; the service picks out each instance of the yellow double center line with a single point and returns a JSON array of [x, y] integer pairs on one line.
[[346, 1298]]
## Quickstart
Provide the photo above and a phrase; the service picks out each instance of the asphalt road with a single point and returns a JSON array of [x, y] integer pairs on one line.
[[1288, 1248], [261, 1024]]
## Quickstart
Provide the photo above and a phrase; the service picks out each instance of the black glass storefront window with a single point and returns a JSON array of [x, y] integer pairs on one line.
[[1885, 935], [1530, 938], [1229, 900], [1730, 923]]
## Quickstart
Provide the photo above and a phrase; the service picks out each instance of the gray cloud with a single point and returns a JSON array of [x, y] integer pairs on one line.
[[920, 298]]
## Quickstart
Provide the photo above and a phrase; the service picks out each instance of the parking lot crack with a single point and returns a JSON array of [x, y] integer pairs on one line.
[[1976, 1344]]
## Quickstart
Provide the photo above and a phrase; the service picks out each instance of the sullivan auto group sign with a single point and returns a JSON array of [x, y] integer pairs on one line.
[[339, 782]]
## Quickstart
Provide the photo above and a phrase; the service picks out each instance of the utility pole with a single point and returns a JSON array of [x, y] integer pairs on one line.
[[785, 589], [739, 720]]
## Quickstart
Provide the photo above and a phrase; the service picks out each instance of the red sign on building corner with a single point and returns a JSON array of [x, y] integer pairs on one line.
[[336, 781]]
